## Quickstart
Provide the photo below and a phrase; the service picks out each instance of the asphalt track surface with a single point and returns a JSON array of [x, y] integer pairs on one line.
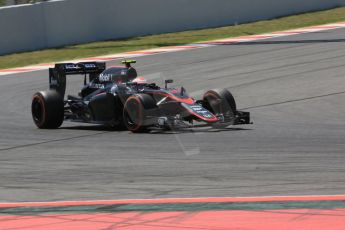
[[293, 86]]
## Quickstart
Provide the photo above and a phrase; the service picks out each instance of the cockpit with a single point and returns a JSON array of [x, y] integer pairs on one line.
[[113, 75]]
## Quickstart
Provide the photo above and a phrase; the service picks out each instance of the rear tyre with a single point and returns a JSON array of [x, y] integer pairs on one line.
[[47, 109], [136, 111], [220, 102]]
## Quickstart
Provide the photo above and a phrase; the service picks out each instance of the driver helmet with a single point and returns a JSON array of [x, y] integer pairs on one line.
[[140, 80]]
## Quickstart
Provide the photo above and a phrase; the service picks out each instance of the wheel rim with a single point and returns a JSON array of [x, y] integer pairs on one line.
[[133, 114], [213, 102]]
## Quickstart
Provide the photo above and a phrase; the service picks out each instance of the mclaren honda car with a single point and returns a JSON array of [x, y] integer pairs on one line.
[[117, 97]]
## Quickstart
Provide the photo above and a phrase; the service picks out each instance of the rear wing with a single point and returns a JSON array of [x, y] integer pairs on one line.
[[57, 75]]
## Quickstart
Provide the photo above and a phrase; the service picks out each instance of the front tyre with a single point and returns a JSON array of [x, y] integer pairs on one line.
[[136, 111], [47, 109], [221, 103]]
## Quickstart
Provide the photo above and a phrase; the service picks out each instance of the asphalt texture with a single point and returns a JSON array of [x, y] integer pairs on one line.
[[293, 86]]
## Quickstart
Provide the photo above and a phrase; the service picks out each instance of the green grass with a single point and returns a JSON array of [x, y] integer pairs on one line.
[[169, 39]]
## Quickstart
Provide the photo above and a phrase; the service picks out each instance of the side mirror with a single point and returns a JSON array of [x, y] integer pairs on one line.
[[168, 82], [183, 91]]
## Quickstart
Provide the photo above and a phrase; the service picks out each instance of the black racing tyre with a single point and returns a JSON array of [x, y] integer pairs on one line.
[[135, 112], [47, 109], [220, 101]]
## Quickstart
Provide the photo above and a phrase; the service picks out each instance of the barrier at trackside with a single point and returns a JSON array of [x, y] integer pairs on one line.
[[65, 22]]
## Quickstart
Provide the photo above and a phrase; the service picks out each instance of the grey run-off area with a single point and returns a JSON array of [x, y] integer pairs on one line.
[[294, 88]]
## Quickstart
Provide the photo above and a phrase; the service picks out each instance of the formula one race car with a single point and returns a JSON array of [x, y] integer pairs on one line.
[[118, 97]]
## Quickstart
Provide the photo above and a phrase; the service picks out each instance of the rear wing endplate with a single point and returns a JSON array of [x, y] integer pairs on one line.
[[57, 75]]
